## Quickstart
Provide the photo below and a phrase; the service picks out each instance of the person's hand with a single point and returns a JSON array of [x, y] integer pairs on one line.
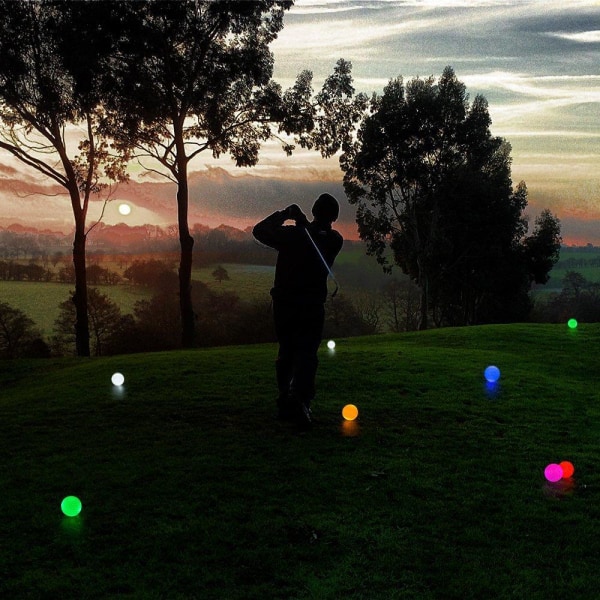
[[295, 214]]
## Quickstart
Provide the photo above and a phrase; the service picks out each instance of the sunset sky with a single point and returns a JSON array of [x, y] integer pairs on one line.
[[536, 62]]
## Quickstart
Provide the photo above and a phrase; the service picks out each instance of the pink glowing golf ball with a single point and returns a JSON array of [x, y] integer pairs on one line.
[[553, 472]]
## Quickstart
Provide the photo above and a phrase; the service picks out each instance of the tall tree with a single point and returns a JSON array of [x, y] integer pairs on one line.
[[52, 54], [433, 185], [195, 77]]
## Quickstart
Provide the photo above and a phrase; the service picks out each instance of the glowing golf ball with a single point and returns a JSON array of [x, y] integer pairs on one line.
[[567, 468], [492, 374], [71, 506], [350, 412], [572, 323], [331, 345], [553, 472], [124, 209], [117, 379]]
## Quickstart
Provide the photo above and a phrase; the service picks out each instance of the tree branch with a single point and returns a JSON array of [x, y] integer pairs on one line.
[[36, 163]]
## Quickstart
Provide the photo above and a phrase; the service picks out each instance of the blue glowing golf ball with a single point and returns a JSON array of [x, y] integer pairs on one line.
[[492, 374]]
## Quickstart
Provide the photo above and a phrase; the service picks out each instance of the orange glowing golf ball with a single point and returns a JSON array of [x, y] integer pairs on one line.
[[350, 412], [568, 469]]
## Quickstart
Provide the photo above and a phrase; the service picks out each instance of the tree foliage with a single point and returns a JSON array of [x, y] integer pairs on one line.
[[53, 59], [106, 324], [18, 335], [434, 193], [196, 76]]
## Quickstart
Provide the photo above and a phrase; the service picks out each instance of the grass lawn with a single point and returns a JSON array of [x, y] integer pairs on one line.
[[191, 489]]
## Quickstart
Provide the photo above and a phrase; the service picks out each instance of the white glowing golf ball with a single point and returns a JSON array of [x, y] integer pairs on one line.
[[331, 344], [118, 379], [124, 209]]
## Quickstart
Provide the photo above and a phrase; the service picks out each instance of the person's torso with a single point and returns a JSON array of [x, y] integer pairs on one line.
[[300, 274]]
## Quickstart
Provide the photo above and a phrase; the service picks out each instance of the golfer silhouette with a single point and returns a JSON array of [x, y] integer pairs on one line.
[[306, 252]]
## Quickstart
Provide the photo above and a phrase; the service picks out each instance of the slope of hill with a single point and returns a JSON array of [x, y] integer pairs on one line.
[[191, 489]]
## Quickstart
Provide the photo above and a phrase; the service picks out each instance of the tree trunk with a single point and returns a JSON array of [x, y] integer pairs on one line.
[[186, 241], [424, 306], [80, 298]]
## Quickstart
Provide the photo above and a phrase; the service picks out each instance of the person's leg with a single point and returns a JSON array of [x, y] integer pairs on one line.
[[306, 346], [284, 363]]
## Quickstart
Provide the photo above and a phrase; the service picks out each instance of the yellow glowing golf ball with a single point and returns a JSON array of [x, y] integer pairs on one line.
[[350, 412]]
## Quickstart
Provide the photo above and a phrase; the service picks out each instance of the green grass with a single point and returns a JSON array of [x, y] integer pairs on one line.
[[249, 282], [191, 489], [40, 300]]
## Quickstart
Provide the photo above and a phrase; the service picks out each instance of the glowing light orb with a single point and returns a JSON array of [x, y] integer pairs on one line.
[[350, 412], [492, 374], [567, 468], [125, 209], [71, 506], [553, 472], [117, 379], [572, 323], [331, 345]]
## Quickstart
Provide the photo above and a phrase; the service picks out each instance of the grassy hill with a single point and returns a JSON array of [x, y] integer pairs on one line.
[[191, 489]]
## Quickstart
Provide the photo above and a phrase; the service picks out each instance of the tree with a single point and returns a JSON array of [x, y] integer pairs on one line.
[[221, 274], [104, 318], [195, 77], [53, 54], [433, 185], [152, 273], [402, 298], [542, 248], [17, 332], [573, 284]]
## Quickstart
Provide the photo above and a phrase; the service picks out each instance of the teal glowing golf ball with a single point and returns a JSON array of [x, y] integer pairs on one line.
[[492, 374], [71, 506]]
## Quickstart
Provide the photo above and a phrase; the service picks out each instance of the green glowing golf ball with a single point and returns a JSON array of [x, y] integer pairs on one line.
[[572, 323], [71, 506]]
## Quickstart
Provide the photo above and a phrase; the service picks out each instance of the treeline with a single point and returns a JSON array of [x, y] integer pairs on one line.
[[216, 246], [15, 271], [222, 244], [579, 263], [579, 299], [222, 318]]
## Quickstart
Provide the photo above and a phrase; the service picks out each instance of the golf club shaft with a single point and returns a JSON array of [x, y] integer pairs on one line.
[[324, 261]]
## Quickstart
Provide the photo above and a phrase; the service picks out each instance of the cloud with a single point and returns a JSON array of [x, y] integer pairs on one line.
[[584, 37]]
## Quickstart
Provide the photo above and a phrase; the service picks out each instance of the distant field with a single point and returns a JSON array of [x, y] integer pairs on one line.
[[579, 260], [40, 301], [356, 273], [249, 282]]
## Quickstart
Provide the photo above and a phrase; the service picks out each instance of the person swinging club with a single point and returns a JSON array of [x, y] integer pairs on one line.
[[306, 252]]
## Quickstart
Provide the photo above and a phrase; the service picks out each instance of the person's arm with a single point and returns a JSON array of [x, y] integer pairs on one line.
[[270, 231]]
